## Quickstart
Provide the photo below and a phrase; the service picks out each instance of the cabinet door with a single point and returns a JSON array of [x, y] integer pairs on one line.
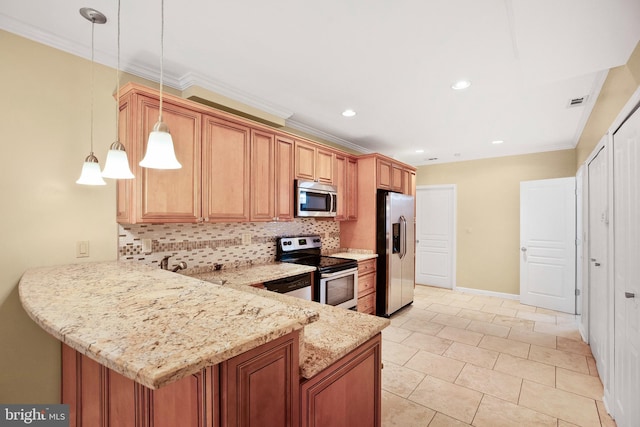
[[384, 174], [406, 181], [340, 181], [352, 189], [260, 387], [396, 177], [284, 179], [225, 164], [305, 161], [180, 403], [169, 195], [324, 166], [348, 393], [124, 187], [262, 176]]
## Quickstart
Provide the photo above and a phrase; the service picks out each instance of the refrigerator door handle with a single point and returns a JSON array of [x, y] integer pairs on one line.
[[403, 237]]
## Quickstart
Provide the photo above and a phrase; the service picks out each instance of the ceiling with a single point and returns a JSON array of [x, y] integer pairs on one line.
[[393, 62]]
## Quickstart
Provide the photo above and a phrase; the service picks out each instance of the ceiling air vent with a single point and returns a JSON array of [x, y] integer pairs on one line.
[[577, 102]]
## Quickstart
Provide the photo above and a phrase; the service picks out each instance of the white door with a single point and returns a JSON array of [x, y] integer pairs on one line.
[[548, 244], [436, 235], [579, 243], [598, 262], [626, 180]]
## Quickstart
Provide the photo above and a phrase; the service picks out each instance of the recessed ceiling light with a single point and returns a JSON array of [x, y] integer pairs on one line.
[[497, 141], [461, 84], [348, 113], [419, 151]]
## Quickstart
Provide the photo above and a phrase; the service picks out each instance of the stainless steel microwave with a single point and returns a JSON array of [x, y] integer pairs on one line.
[[315, 199]]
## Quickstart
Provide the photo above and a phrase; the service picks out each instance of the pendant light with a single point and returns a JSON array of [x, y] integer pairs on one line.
[[160, 153], [91, 168], [117, 164]]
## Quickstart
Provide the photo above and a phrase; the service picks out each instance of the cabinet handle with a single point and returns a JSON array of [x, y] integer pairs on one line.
[[597, 264], [629, 295]]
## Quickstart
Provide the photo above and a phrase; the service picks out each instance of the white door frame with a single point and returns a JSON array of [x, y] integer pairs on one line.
[[454, 221], [609, 395], [579, 240], [609, 385]]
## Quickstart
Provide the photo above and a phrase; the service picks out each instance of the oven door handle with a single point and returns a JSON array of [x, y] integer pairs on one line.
[[338, 273]]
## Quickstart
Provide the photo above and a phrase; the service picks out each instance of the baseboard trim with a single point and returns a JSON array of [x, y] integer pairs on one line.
[[487, 293]]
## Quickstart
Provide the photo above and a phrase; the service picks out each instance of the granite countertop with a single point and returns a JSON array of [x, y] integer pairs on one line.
[[333, 335], [357, 255], [151, 325], [254, 274]]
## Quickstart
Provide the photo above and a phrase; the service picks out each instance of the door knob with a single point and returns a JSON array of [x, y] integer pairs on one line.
[[629, 295], [523, 249]]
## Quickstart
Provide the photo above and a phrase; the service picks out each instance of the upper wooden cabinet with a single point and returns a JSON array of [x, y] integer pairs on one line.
[[345, 178], [393, 176], [271, 177], [160, 195], [225, 164], [233, 169], [284, 179], [313, 163], [389, 175]]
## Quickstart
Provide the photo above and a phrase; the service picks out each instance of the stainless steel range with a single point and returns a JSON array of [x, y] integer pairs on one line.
[[336, 281]]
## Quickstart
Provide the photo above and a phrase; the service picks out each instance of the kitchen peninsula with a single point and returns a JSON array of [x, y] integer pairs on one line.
[[143, 346]]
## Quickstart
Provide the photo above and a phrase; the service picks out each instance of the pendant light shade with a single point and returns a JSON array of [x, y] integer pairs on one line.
[[91, 172], [117, 164], [160, 153]]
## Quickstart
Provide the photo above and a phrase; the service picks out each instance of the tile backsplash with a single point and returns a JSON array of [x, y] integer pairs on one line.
[[202, 246]]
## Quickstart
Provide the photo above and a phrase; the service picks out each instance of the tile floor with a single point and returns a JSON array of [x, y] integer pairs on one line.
[[456, 359]]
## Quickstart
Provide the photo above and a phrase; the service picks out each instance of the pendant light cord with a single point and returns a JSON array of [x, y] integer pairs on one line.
[[161, 56], [93, 25], [118, 81]]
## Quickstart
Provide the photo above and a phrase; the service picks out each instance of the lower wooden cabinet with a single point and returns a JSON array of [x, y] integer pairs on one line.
[[348, 393], [261, 387], [257, 388], [367, 286]]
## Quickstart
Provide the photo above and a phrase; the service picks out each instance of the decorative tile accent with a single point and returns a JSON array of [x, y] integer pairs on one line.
[[203, 246]]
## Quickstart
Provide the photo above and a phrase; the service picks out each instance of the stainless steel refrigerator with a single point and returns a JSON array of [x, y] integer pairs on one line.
[[395, 243]]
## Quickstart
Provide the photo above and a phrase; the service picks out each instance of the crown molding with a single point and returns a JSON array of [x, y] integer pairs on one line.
[[32, 33], [195, 79], [327, 136]]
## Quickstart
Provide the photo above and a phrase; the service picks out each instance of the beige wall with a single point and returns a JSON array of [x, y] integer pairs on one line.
[[620, 84], [488, 207], [45, 112]]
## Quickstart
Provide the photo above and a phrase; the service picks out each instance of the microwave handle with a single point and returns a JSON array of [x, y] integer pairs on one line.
[[334, 202]]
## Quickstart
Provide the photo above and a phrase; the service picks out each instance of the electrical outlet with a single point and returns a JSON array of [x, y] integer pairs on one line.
[[146, 246], [82, 249], [246, 238]]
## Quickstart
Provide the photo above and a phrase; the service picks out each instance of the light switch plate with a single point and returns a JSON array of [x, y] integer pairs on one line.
[[146, 246], [82, 249]]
